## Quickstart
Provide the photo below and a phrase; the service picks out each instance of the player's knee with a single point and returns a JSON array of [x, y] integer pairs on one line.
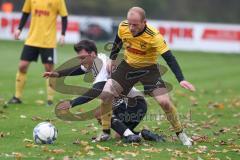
[[165, 103], [106, 97], [97, 115], [48, 67], [23, 68]]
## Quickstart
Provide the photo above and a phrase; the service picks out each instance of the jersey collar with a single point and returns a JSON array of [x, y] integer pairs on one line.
[[140, 33]]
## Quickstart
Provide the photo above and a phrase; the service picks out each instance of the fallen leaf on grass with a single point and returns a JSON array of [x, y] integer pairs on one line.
[[27, 140], [3, 117], [106, 158], [84, 131], [17, 155], [31, 145], [74, 130], [224, 130], [151, 150], [90, 153], [57, 151], [216, 105], [36, 118], [66, 158], [222, 142], [23, 116], [39, 102], [198, 138], [177, 153], [2, 135], [133, 153], [193, 101], [102, 148], [201, 149], [236, 102], [88, 148]]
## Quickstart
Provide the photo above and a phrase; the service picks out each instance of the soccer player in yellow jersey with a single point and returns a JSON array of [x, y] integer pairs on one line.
[[41, 39], [142, 46]]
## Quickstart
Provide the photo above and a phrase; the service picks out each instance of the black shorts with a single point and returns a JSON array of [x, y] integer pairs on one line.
[[131, 116], [127, 76], [31, 53]]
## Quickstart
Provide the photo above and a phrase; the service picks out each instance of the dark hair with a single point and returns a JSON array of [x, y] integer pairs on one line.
[[88, 45]]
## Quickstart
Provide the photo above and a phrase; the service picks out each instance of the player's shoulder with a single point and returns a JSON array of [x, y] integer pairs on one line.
[[123, 23], [152, 31]]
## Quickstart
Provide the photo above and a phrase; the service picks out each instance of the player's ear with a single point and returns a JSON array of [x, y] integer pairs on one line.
[[93, 54], [145, 21]]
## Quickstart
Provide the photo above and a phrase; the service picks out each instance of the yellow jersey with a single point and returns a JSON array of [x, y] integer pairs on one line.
[[43, 26], [142, 50]]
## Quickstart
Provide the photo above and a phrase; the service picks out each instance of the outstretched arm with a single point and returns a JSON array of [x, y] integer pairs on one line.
[[174, 66], [77, 70], [91, 94]]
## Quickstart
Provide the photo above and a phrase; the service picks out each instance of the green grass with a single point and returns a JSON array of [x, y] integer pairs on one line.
[[216, 77]]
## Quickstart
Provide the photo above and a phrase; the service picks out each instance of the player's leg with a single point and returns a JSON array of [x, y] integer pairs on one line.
[[29, 54], [118, 126], [157, 88], [48, 59], [171, 114], [111, 89]]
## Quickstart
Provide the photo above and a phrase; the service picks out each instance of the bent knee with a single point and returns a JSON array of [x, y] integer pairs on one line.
[[106, 97]]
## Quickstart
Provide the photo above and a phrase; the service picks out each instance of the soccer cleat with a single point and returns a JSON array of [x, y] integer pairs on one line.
[[102, 137], [14, 100], [49, 103], [132, 139], [149, 136], [185, 139]]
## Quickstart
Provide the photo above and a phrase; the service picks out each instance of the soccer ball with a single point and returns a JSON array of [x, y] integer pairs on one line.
[[44, 133]]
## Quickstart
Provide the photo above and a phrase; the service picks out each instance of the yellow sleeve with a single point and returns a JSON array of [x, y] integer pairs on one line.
[[160, 44], [27, 6], [62, 10]]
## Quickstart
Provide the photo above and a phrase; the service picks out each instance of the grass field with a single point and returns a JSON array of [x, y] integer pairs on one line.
[[211, 114]]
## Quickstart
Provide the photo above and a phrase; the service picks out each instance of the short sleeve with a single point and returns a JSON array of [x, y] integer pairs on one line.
[[159, 44], [62, 8], [27, 6]]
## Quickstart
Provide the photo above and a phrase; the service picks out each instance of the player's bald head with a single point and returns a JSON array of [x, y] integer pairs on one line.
[[137, 12]]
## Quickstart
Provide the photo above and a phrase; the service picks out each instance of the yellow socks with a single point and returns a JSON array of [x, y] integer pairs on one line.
[[20, 83], [106, 115], [173, 118], [50, 91]]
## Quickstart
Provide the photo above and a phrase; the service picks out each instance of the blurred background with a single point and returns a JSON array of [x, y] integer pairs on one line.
[[185, 24], [227, 11]]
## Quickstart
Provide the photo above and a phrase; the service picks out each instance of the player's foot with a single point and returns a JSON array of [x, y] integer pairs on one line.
[[102, 137], [14, 100], [49, 103], [132, 139], [185, 139], [149, 136]]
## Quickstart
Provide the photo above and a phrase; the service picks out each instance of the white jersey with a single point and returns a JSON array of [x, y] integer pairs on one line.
[[100, 73]]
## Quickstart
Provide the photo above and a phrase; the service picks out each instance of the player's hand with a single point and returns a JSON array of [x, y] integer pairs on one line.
[[17, 34], [65, 105], [62, 40], [111, 65], [50, 74], [187, 85]]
